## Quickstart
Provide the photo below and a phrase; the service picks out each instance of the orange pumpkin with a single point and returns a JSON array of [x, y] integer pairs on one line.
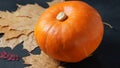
[[69, 31]]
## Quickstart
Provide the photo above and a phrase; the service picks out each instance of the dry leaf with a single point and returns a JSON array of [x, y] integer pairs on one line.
[[14, 25], [41, 61], [19, 26]]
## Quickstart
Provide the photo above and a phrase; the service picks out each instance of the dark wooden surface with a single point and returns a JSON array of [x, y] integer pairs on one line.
[[106, 56]]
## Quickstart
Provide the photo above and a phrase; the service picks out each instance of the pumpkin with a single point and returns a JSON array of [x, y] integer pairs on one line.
[[69, 31]]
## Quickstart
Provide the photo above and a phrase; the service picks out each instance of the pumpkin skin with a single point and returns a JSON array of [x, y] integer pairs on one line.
[[74, 38]]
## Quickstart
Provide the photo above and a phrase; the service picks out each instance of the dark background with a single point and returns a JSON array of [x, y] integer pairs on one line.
[[106, 56]]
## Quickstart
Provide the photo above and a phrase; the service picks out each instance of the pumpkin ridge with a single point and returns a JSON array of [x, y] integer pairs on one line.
[[64, 45], [62, 48], [47, 37]]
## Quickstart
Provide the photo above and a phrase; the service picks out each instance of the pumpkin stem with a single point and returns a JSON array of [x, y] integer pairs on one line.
[[61, 16], [109, 25]]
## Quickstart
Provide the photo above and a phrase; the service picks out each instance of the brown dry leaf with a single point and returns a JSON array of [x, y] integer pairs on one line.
[[24, 18], [18, 26], [41, 61]]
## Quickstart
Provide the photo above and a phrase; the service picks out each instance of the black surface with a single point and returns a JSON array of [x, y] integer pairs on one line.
[[106, 56]]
